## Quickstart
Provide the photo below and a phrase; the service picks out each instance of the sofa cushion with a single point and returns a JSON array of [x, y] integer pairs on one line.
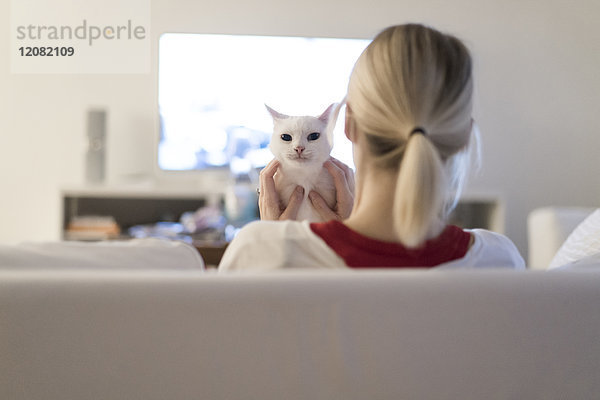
[[132, 254]]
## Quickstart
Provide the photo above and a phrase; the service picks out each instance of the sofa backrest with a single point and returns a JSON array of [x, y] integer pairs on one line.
[[299, 335]]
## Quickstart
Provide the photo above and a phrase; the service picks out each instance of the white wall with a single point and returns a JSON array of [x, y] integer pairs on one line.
[[538, 106]]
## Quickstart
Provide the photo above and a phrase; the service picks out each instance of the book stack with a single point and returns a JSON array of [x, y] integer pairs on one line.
[[92, 227]]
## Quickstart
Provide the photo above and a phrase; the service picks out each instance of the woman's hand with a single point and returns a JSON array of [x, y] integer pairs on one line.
[[343, 179], [269, 203]]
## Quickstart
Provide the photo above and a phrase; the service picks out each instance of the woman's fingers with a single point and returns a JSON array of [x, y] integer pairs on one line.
[[321, 206], [269, 204], [267, 183], [348, 172], [344, 188], [291, 211]]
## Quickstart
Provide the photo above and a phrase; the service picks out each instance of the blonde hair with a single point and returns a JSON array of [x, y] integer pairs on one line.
[[411, 94]]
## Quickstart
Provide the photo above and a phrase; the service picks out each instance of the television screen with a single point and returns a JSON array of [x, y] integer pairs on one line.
[[212, 91]]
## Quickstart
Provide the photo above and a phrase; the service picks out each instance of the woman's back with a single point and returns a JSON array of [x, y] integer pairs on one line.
[[269, 245]]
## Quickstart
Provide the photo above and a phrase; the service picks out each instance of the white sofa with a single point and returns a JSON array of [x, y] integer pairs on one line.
[[160, 334]]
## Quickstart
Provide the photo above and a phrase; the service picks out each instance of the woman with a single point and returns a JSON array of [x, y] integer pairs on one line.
[[408, 115]]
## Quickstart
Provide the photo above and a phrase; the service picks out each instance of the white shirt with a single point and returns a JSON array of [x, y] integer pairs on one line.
[[271, 245]]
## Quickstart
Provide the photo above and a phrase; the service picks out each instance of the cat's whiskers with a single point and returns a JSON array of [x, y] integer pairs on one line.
[[300, 158], [306, 155]]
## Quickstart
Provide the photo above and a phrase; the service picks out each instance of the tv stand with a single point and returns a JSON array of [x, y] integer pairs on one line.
[[132, 205], [129, 206]]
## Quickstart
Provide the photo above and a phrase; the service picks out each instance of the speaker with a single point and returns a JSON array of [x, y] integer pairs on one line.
[[96, 150]]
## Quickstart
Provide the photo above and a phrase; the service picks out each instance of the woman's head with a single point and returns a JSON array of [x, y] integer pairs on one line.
[[410, 95]]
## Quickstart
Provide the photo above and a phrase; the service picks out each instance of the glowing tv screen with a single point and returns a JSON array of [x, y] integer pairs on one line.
[[212, 91]]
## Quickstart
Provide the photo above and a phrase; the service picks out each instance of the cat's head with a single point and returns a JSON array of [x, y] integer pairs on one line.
[[299, 140]]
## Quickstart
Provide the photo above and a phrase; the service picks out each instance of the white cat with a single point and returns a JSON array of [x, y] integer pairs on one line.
[[302, 145]]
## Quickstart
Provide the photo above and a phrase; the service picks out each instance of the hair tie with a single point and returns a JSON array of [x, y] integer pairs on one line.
[[417, 130]]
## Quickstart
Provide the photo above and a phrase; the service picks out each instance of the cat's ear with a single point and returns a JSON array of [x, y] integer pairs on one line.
[[330, 118], [327, 113], [275, 114]]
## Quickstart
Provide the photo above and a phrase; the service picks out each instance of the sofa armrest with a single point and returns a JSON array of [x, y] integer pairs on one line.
[[547, 230]]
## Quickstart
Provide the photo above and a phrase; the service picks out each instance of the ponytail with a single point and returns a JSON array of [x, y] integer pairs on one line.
[[414, 77], [420, 189]]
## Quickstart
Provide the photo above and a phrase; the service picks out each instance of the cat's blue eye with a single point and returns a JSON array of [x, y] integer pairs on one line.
[[286, 138], [314, 136]]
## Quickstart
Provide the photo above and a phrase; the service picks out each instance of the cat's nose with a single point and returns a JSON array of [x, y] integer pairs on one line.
[[299, 149]]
